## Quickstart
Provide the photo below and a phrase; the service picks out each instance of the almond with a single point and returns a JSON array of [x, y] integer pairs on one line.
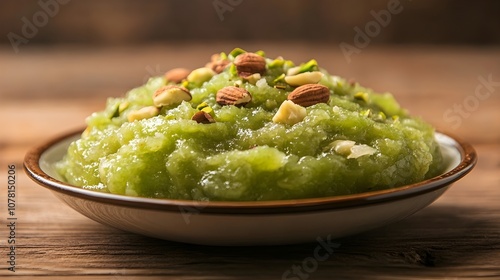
[[217, 63], [310, 94], [203, 117], [218, 66], [231, 95], [249, 63], [176, 75]]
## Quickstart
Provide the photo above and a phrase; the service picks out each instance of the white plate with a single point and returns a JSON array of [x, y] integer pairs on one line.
[[249, 223]]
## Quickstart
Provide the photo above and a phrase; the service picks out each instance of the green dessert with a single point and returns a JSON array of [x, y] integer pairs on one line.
[[246, 127]]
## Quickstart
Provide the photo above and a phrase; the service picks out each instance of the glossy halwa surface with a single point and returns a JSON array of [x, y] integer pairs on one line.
[[244, 155]]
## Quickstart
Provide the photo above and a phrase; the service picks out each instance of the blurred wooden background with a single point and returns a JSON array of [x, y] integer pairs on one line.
[[432, 55], [129, 21]]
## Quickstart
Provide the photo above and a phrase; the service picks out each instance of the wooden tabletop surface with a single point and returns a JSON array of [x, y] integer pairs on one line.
[[46, 91]]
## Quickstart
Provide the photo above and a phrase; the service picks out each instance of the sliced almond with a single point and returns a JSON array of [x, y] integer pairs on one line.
[[304, 78], [231, 95], [203, 117], [170, 95], [342, 147], [350, 149], [249, 63], [310, 94], [289, 113], [176, 75], [361, 150]]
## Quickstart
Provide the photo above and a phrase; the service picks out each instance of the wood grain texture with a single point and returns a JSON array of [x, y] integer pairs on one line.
[[457, 237]]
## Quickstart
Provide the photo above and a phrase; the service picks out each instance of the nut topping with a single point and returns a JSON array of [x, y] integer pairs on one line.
[[304, 78], [218, 63], [200, 75], [249, 63], [170, 95], [143, 113], [310, 94], [289, 113], [203, 117], [231, 95], [176, 75]]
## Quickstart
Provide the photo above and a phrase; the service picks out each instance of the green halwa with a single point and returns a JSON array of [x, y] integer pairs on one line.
[[357, 141]]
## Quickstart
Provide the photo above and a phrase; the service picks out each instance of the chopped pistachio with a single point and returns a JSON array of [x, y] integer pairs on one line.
[[311, 65], [223, 55], [123, 106], [233, 70], [209, 111], [261, 53], [236, 51], [205, 108], [278, 62], [86, 132], [366, 113], [363, 96], [202, 105], [116, 111], [279, 78], [380, 116]]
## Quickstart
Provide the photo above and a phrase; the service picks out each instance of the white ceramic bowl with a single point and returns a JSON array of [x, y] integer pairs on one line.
[[248, 223]]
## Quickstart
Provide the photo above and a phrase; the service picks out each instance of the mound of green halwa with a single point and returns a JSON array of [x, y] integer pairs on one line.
[[247, 127]]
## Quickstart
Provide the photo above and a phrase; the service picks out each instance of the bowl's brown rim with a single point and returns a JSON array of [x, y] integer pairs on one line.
[[32, 167]]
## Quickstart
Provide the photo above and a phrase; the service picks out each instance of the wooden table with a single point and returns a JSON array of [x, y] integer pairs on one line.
[[48, 91]]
